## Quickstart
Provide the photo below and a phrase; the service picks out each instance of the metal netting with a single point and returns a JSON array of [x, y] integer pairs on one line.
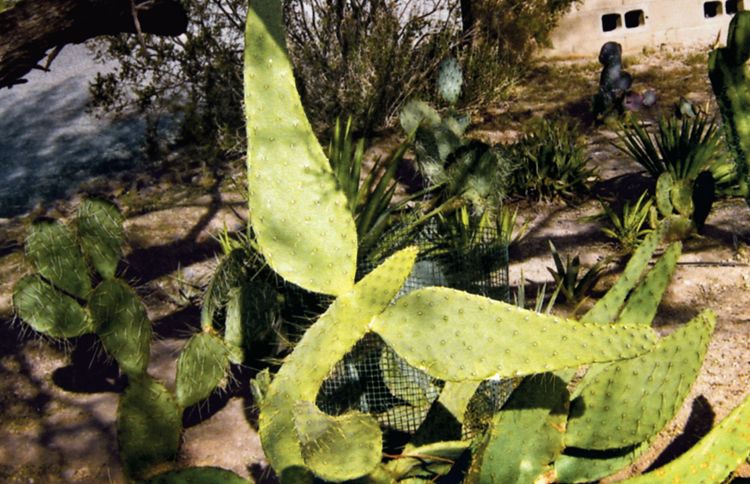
[[372, 378]]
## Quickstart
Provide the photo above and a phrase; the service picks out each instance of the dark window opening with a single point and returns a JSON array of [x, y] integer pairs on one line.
[[611, 21], [634, 18], [731, 7], [712, 9]]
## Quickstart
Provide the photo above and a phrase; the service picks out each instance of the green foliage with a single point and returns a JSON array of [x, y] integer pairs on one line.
[[48, 310], [201, 367], [566, 276], [550, 161], [630, 227]]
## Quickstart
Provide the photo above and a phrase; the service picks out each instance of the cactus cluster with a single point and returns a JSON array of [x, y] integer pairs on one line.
[[727, 71]]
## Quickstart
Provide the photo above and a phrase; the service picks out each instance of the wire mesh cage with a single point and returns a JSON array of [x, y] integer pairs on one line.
[[372, 378]]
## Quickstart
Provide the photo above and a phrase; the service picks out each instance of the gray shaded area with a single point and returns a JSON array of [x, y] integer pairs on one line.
[[49, 144]]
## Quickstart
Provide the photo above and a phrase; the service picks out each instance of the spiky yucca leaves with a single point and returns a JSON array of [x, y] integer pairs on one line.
[[566, 276], [630, 227]]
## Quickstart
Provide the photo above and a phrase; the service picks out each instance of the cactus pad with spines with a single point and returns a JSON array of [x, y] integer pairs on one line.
[[450, 79], [299, 215], [53, 249], [122, 325], [337, 448], [100, 233], [713, 458], [436, 330], [202, 365], [48, 310], [149, 424], [607, 308], [644, 301], [535, 416], [427, 461], [325, 343], [405, 382], [199, 475], [627, 402]]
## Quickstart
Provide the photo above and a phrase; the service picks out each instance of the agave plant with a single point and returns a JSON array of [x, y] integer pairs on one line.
[[632, 225]]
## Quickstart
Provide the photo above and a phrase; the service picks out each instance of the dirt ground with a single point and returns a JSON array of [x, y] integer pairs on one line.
[[58, 404]]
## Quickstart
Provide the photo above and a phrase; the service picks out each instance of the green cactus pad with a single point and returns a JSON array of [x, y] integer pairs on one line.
[[450, 79], [713, 458], [259, 386], [406, 383], [199, 475], [535, 416], [676, 227], [101, 235], [325, 343], [607, 308], [48, 310], [436, 330], [122, 325], [299, 215], [416, 112], [53, 249], [663, 189], [682, 197], [644, 301], [202, 365], [337, 448], [596, 465], [629, 401], [456, 396], [229, 270], [149, 425], [428, 461], [402, 417]]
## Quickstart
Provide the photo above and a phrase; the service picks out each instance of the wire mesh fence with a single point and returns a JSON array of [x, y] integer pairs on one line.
[[372, 378]]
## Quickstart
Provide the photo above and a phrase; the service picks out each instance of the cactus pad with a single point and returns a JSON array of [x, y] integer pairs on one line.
[[338, 448], [149, 425], [101, 235], [450, 79], [122, 325], [48, 310], [644, 301], [629, 401], [535, 416], [592, 466], [53, 249], [325, 343], [199, 475], [299, 215], [427, 461], [436, 330], [202, 365], [713, 458], [402, 380]]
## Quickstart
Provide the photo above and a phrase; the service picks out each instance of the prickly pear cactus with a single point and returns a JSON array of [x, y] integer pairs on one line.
[[48, 310], [202, 365], [101, 234], [731, 86], [450, 80]]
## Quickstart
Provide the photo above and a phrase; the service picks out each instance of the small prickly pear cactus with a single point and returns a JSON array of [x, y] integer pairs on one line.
[[731, 86], [450, 80]]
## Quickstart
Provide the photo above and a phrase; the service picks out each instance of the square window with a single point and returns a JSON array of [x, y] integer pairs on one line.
[[712, 9], [731, 7], [611, 21], [634, 18]]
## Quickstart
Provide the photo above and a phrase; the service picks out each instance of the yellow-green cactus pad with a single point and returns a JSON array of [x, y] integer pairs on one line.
[[48, 310], [456, 336], [627, 402], [644, 300], [338, 448], [297, 211], [591, 465], [712, 459], [149, 425], [202, 365], [122, 324], [101, 235], [53, 249], [405, 382], [325, 343]]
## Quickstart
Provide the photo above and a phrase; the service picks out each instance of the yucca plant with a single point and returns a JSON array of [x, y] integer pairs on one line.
[[631, 226], [505, 223]]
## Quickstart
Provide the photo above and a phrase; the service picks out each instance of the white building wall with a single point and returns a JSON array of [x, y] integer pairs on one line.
[[672, 22]]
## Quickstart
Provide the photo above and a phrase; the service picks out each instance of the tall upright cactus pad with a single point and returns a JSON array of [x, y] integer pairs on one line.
[[298, 213], [438, 331], [325, 343], [338, 448], [731, 86], [53, 249], [535, 416], [122, 324], [202, 365], [149, 424], [101, 234], [48, 310], [712, 459], [627, 402]]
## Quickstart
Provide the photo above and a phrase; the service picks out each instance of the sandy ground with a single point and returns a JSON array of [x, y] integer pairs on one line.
[[58, 405]]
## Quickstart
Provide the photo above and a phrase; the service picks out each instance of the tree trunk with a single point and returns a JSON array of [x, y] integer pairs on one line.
[[32, 27]]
